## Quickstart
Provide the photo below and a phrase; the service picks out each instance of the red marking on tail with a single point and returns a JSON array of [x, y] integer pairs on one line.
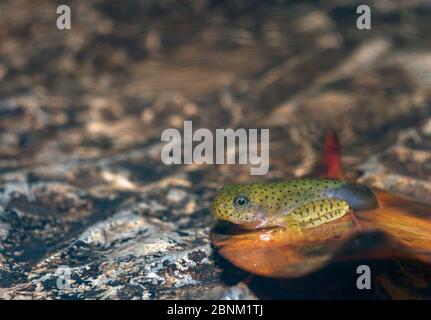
[[331, 159]]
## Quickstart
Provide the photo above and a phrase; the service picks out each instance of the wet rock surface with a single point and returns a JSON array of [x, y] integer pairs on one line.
[[83, 192]]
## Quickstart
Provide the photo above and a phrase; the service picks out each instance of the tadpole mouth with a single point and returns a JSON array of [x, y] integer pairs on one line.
[[257, 223]]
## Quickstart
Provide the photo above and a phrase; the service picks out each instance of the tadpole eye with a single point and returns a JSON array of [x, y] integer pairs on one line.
[[241, 202]]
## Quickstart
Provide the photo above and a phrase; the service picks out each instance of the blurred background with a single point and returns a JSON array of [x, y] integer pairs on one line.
[[82, 110]]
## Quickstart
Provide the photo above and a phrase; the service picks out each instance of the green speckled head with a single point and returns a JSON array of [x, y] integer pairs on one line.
[[255, 205], [247, 204]]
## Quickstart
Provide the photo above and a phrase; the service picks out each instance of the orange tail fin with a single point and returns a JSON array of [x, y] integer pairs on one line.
[[330, 163]]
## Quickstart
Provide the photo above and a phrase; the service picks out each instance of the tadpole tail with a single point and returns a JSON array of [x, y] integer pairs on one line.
[[358, 197]]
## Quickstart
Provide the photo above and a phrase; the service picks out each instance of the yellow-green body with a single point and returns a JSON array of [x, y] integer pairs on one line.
[[304, 203]]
